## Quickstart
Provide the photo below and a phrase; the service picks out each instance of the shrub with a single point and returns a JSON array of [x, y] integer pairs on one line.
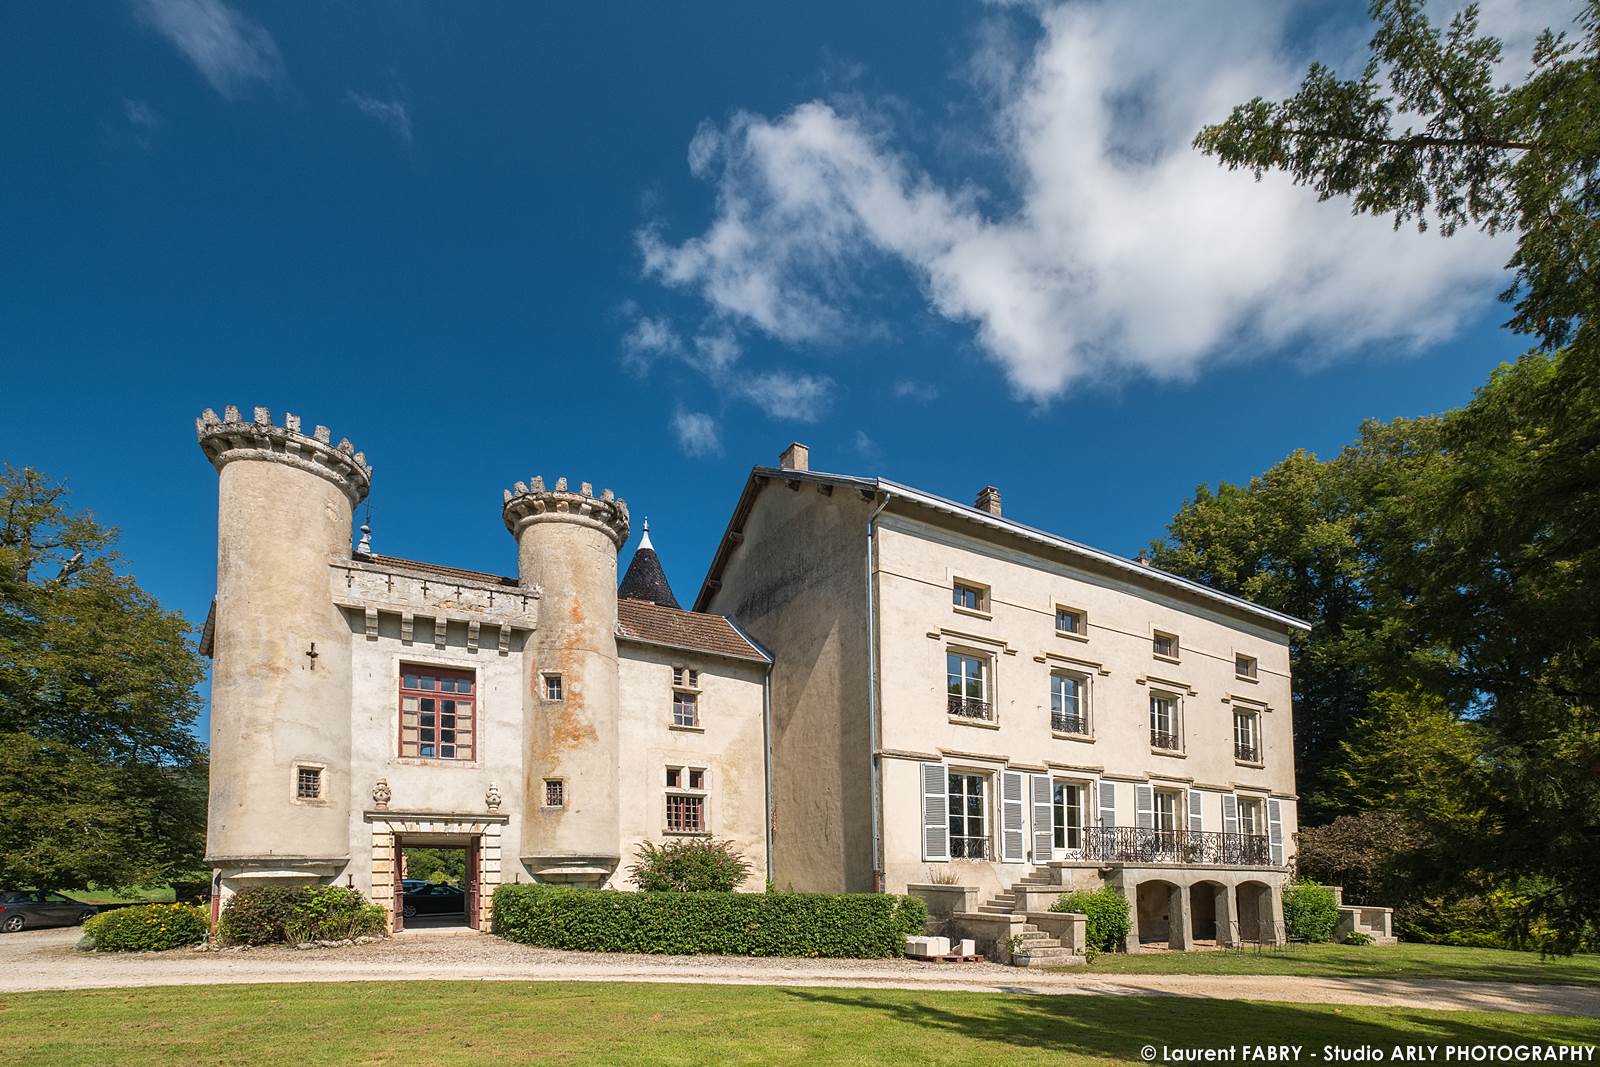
[[257, 915], [147, 928], [1356, 937], [1309, 911], [1107, 910], [333, 913], [853, 925], [690, 866]]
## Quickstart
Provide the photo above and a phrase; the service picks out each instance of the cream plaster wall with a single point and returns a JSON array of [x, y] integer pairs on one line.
[[797, 583], [728, 745], [916, 565]]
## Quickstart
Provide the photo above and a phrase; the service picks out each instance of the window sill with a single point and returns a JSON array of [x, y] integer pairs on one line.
[[1165, 659], [1247, 678], [1257, 764], [686, 833], [1174, 753], [1071, 637], [552, 807], [973, 612], [430, 761], [688, 689], [963, 720], [1058, 735], [686, 729]]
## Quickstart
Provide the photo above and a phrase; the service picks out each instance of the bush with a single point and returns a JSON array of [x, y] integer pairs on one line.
[[853, 925], [1107, 909], [689, 866], [333, 913], [1356, 937], [271, 914], [257, 915], [147, 928], [1309, 911]]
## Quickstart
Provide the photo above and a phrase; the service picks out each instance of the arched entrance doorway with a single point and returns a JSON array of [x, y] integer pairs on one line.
[[1208, 912], [1157, 904], [1254, 908]]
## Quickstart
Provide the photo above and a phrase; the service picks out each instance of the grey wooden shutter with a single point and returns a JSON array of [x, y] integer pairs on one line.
[[1012, 843], [1144, 807], [1230, 813], [1275, 831], [1196, 802], [935, 812], [1044, 838], [1108, 805]]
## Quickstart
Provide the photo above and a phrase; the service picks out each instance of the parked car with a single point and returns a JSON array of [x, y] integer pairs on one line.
[[23, 909], [434, 898]]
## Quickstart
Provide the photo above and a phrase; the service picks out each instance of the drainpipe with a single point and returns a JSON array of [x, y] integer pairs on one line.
[[872, 698], [766, 771]]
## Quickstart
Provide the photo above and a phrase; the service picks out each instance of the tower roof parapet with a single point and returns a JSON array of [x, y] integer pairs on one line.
[[531, 502], [231, 438]]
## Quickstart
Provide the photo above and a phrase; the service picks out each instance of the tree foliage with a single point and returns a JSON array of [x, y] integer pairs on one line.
[[101, 779], [1427, 134]]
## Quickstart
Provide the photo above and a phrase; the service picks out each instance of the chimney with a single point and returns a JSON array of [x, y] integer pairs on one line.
[[797, 457], [988, 500]]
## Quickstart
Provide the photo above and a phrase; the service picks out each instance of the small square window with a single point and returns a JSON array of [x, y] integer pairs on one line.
[[552, 686], [1070, 621], [674, 776], [697, 779], [969, 597], [308, 783], [1244, 666], [555, 793], [1165, 645], [686, 677]]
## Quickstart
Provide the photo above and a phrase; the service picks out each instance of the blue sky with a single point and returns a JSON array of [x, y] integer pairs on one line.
[[647, 245]]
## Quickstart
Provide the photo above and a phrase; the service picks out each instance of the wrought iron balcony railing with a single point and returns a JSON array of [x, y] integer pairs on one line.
[[1067, 722], [1161, 739], [969, 848], [970, 707], [1138, 844], [1247, 753]]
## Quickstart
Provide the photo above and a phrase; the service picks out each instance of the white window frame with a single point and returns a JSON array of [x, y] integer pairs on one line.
[[1176, 717], [1253, 673], [981, 598], [545, 678], [1063, 832], [1176, 810], [324, 784], [1081, 630], [1255, 823], [1252, 717], [985, 816], [1177, 646], [1083, 686], [544, 793], [986, 686]]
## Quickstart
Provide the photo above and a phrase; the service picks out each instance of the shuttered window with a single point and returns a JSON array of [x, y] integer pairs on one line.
[[935, 811], [1012, 843], [1275, 831]]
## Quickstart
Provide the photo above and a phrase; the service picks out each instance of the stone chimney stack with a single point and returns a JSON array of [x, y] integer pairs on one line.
[[797, 457], [988, 500]]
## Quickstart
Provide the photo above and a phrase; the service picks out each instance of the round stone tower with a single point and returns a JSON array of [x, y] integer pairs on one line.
[[567, 548], [280, 689]]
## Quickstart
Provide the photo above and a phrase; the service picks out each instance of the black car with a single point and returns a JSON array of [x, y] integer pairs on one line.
[[24, 909], [432, 898]]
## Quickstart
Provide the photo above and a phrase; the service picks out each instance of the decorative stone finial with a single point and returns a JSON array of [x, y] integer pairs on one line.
[[381, 795], [231, 438], [364, 547], [531, 502], [492, 798]]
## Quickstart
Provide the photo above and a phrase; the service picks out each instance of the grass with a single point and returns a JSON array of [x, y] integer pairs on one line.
[[406, 1023], [161, 894], [1371, 961]]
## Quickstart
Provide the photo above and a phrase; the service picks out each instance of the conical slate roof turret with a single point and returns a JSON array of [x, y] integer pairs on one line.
[[645, 579]]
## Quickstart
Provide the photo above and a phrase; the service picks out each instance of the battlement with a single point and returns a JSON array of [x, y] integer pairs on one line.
[[527, 504], [231, 438]]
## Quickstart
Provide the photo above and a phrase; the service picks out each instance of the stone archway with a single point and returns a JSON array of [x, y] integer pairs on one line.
[[1209, 913], [480, 834], [1256, 921], [1158, 907]]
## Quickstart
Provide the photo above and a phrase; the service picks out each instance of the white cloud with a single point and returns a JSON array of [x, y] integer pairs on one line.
[[138, 113], [228, 49], [392, 114], [1124, 250], [783, 395], [906, 389], [696, 432], [867, 447]]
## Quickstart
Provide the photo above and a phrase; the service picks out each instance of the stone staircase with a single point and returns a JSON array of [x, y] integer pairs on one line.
[[1034, 947]]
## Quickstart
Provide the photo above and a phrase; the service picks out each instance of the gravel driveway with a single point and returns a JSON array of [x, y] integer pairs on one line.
[[47, 959]]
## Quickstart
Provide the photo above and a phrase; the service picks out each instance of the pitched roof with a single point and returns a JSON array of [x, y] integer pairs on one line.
[[692, 631], [890, 492], [645, 579], [436, 569]]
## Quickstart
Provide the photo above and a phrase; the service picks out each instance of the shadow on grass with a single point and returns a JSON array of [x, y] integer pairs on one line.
[[1340, 961], [1119, 1026]]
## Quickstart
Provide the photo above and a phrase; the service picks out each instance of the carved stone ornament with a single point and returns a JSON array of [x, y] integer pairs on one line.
[[492, 798], [381, 795]]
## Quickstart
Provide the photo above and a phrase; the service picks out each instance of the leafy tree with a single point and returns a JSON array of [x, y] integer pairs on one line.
[[437, 864], [1427, 133], [101, 779]]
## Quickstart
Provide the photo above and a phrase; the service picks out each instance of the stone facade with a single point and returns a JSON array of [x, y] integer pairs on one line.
[[563, 730]]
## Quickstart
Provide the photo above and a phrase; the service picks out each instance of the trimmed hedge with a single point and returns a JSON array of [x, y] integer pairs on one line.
[[147, 928], [1107, 912], [1310, 912], [852, 925]]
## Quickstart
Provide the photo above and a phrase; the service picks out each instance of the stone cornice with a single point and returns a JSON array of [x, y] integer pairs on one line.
[[529, 504], [230, 438]]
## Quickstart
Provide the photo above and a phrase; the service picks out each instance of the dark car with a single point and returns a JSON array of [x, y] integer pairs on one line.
[[434, 899], [24, 909]]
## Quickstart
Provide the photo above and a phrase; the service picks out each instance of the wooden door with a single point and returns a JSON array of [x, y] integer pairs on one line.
[[399, 887], [472, 883]]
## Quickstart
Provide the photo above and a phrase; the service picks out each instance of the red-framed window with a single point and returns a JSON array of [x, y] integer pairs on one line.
[[686, 812], [438, 712]]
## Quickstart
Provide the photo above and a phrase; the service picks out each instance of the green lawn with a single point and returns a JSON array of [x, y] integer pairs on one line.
[[1372, 961], [410, 1023], [158, 895]]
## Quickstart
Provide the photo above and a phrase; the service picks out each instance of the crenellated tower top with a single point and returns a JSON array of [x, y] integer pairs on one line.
[[528, 504], [231, 438]]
